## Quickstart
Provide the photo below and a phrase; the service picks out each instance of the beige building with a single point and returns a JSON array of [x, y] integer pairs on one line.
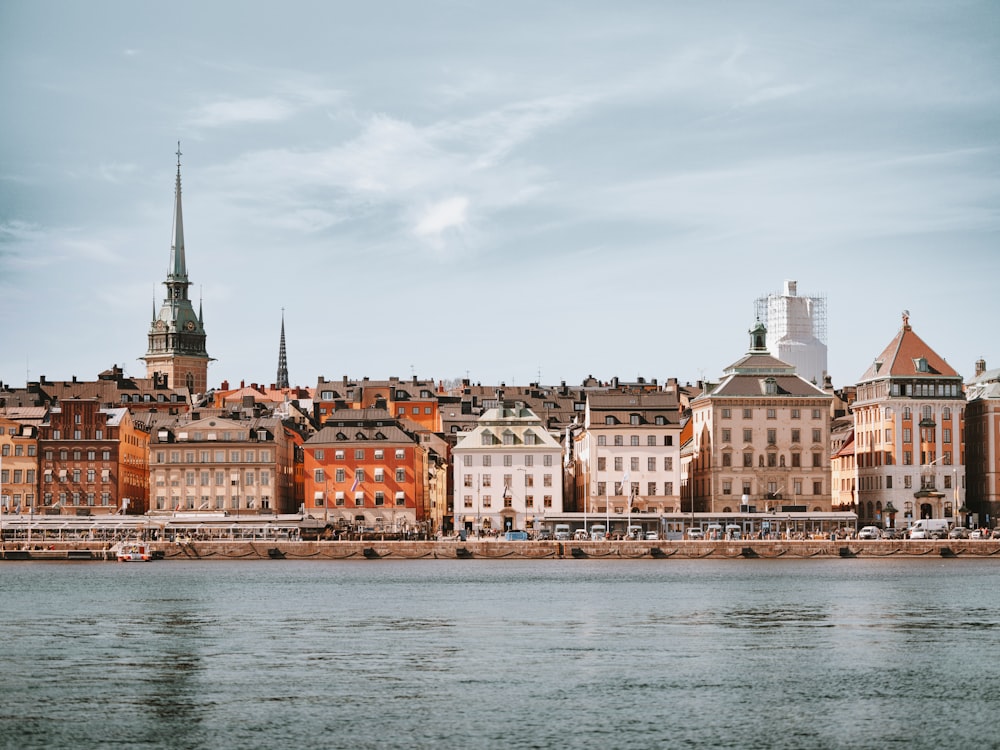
[[18, 466], [908, 433], [628, 454], [760, 438]]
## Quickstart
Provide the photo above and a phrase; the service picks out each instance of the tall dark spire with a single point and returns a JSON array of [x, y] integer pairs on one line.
[[282, 381], [178, 264]]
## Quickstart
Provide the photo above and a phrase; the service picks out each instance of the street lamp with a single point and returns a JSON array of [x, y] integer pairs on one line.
[[890, 510]]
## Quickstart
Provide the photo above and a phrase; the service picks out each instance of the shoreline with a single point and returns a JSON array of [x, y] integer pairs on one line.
[[497, 549]]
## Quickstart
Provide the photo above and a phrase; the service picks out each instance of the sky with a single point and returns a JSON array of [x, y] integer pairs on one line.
[[511, 192]]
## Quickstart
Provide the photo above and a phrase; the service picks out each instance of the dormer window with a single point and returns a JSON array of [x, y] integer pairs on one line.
[[609, 420], [633, 419], [771, 387], [921, 364]]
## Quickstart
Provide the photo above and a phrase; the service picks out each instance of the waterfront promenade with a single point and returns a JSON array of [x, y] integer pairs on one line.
[[497, 549]]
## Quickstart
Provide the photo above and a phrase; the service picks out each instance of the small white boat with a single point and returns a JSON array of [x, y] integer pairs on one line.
[[134, 552]]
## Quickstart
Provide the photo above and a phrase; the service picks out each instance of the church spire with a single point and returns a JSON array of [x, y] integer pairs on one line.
[[282, 380], [178, 265]]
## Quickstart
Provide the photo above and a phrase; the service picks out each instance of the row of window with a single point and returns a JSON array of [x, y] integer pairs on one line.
[[249, 478], [508, 459], [214, 457], [634, 440], [21, 476], [884, 458], [771, 459], [529, 501], [633, 489], [926, 390], [378, 454], [795, 435], [340, 475], [77, 498], [619, 463], [220, 502], [359, 500], [772, 488], [486, 480], [76, 474], [64, 455], [772, 413], [866, 415], [19, 450]]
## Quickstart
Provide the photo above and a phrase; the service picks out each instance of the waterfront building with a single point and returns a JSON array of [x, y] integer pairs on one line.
[[908, 432], [507, 471], [18, 466], [760, 438], [176, 349], [843, 468], [628, 453], [236, 464], [92, 460], [796, 330], [982, 445], [365, 470]]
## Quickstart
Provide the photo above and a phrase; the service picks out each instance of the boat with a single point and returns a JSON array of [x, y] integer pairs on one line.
[[134, 552]]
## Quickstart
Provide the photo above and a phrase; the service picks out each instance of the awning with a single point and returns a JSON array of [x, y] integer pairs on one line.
[[318, 495], [400, 495], [339, 496]]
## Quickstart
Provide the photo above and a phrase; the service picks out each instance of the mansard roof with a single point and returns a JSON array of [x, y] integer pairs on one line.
[[908, 356]]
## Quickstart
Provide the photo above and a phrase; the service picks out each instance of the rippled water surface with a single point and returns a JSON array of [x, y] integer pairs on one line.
[[519, 654]]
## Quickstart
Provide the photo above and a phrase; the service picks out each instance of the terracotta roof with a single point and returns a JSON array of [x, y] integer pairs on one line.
[[904, 356]]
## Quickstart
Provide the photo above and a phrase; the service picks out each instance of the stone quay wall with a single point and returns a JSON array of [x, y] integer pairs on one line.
[[495, 549]]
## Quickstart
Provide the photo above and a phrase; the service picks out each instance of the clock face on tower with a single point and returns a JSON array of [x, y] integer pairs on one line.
[[159, 325], [189, 325]]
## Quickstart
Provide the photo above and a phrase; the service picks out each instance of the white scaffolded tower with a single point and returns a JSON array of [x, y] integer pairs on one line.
[[796, 330]]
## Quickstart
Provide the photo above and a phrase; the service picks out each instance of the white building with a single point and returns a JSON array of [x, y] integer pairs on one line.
[[507, 472], [796, 331]]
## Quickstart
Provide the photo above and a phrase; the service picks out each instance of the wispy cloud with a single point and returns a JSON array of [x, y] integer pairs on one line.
[[447, 214], [286, 100]]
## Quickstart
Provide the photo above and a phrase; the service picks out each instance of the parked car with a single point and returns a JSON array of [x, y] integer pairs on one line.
[[652, 536], [976, 534], [996, 533], [581, 535], [892, 534], [870, 532], [919, 534], [959, 532], [544, 534], [695, 534]]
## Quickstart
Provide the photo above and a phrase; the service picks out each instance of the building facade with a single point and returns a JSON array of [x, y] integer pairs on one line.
[[18, 466], [216, 464], [908, 433], [365, 471], [628, 454], [507, 472], [982, 445], [760, 438]]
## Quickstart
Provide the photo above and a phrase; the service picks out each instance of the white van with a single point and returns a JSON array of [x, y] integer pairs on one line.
[[562, 531], [634, 532], [929, 528], [598, 532]]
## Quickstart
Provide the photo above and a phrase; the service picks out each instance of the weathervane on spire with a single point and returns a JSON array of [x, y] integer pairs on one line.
[[178, 155]]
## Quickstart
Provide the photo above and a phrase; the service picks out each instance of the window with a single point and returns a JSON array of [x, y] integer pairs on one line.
[[817, 435], [546, 480], [796, 460], [634, 463], [634, 440], [320, 454], [602, 463], [727, 459], [772, 459], [727, 435], [467, 501], [816, 415], [619, 440], [796, 414], [650, 439], [727, 487], [727, 413], [529, 460], [602, 488], [817, 461], [602, 440], [508, 459], [633, 419], [772, 413], [619, 465], [772, 436], [748, 413], [748, 460], [400, 475], [359, 454], [319, 476], [651, 463], [487, 460], [547, 459], [796, 436], [487, 480], [529, 480], [380, 475], [467, 460], [817, 488], [379, 497], [747, 435], [487, 501], [651, 489], [379, 454], [340, 475]]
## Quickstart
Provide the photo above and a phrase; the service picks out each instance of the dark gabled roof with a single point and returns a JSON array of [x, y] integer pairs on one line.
[[753, 386]]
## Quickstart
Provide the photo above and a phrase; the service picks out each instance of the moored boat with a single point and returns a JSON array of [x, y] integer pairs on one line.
[[134, 552]]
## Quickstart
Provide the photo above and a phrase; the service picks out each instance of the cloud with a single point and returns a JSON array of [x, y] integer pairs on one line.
[[230, 111], [447, 214]]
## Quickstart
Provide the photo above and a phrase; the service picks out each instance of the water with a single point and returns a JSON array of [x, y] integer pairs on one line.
[[512, 654]]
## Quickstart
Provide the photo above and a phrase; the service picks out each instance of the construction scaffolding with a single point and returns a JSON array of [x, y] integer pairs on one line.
[[796, 329]]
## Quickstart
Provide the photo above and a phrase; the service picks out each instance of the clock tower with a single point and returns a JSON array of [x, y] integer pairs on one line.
[[177, 333]]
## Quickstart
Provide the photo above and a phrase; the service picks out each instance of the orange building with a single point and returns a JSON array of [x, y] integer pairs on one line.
[[364, 470]]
